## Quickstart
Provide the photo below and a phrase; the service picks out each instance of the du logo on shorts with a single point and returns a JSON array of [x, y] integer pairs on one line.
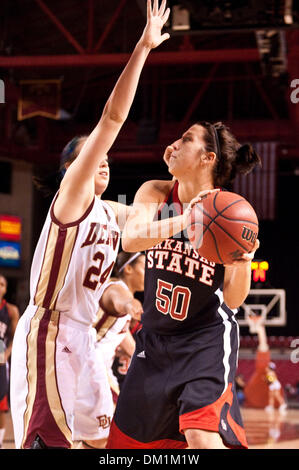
[[2, 92], [104, 421]]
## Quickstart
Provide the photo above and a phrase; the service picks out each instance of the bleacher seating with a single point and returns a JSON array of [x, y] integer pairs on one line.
[[275, 342]]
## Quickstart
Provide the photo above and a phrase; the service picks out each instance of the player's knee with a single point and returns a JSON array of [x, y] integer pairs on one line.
[[202, 439], [95, 444]]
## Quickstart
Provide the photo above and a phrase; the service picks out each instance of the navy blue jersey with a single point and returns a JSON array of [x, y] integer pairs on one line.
[[4, 320], [182, 289]]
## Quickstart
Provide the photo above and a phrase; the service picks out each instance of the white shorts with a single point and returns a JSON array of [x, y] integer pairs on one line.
[[275, 385], [51, 356]]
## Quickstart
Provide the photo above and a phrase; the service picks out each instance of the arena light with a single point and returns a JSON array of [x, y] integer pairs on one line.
[[288, 12], [259, 269], [10, 227], [180, 18]]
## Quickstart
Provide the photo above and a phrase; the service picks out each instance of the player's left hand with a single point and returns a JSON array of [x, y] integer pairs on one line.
[[156, 18], [245, 257]]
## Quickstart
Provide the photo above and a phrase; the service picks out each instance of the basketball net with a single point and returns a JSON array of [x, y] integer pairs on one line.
[[254, 322]]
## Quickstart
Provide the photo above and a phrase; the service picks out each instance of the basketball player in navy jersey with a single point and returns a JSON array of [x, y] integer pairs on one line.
[[179, 390], [9, 317]]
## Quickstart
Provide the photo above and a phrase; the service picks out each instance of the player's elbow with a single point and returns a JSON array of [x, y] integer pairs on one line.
[[113, 115], [128, 244], [233, 301], [233, 306]]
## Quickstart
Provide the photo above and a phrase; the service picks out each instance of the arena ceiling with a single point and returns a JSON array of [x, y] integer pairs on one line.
[[218, 69]]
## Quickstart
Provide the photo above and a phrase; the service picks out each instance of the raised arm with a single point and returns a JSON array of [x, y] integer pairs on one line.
[[77, 188]]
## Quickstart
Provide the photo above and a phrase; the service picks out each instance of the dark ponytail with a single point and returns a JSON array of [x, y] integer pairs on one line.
[[246, 159], [232, 157], [49, 184]]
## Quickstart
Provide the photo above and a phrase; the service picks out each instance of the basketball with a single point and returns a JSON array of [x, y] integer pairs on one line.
[[222, 227]]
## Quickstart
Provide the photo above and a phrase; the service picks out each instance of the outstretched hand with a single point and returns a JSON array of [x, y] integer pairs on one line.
[[245, 257], [156, 18]]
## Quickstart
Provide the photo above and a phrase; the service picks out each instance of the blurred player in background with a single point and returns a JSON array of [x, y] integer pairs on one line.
[[263, 389], [9, 317], [275, 390], [118, 308], [127, 271], [118, 300]]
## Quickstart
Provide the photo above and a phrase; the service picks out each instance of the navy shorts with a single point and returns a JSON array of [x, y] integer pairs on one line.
[[3, 388], [180, 382]]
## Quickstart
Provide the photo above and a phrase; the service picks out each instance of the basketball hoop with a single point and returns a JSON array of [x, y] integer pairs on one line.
[[254, 322]]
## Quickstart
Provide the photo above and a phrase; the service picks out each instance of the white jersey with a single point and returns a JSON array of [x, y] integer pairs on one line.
[[111, 330], [72, 262]]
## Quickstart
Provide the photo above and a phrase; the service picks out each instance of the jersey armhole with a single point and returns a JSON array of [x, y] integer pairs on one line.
[[71, 224], [162, 204]]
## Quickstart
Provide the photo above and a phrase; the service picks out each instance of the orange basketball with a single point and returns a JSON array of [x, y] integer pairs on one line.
[[222, 227]]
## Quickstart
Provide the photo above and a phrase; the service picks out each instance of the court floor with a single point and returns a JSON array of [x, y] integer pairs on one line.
[[271, 431], [263, 430]]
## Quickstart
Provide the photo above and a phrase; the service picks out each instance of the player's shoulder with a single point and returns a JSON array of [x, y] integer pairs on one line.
[[158, 188], [12, 309]]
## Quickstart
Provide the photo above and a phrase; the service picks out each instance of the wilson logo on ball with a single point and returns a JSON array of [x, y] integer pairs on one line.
[[248, 234]]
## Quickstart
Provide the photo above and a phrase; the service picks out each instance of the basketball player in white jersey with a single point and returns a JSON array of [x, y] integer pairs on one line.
[[118, 307], [72, 261]]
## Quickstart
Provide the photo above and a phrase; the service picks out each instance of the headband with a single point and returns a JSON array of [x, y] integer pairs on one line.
[[217, 142], [68, 150], [129, 261]]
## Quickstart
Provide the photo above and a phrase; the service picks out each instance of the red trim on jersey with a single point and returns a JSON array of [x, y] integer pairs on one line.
[[114, 396], [136, 327], [165, 200], [76, 222], [208, 417], [103, 319], [175, 197], [41, 420], [118, 440], [56, 263], [4, 404], [3, 302]]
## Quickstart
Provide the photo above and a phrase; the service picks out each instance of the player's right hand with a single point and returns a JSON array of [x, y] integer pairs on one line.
[[134, 308], [156, 18], [200, 196]]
